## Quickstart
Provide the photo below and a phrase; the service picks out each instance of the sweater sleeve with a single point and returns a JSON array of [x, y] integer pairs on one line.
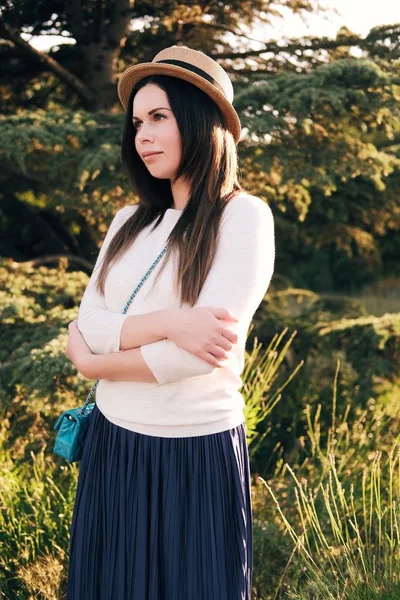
[[238, 280], [100, 327]]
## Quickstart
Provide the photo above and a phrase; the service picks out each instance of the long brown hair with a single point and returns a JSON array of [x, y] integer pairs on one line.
[[208, 163]]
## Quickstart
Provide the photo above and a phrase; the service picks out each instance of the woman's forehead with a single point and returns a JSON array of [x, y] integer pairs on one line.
[[150, 94]]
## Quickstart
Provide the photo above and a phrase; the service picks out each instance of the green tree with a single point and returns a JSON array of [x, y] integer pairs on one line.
[[321, 141], [107, 35]]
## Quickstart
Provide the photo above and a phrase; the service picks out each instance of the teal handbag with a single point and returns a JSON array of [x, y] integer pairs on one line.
[[72, 424]]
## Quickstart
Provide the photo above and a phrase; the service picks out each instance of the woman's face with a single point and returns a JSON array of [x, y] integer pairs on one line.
[[156, 131]]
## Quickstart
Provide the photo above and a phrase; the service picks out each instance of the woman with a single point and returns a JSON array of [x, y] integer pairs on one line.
[[163, 504]]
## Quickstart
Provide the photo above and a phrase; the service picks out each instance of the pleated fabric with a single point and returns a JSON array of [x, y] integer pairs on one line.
[[159, 518]]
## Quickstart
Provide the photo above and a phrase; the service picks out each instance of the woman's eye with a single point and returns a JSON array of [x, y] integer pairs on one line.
[[136, 123]]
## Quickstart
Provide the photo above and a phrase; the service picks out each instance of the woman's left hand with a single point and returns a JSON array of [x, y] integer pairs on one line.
[[77, 349]]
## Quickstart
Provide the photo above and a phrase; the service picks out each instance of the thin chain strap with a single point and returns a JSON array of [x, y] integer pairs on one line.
[[127, 305]]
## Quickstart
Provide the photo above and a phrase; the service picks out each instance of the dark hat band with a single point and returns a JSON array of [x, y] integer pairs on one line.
[[196, 70]]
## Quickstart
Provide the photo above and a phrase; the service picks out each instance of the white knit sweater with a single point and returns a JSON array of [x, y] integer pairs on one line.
[[190, 397]]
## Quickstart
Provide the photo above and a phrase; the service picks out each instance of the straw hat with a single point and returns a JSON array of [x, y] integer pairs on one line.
[[193, 66]]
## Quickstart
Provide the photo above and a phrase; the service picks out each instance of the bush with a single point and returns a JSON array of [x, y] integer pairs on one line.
[[327, 330]]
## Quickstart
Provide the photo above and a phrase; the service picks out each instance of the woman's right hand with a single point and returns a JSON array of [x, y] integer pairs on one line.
[[206, 331]]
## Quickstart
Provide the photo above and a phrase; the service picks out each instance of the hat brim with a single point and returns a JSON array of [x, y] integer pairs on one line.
[[133, 74]]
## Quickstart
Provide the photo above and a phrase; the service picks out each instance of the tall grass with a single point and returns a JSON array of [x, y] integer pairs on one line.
[[260, 394], [348, 543], [36, 499]]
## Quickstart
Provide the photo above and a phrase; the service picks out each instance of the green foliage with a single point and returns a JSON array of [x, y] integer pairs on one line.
[[328, 115], [36, 497], [37, 380], [327, 329], [70, 155], [259, 376], [333, 189], [349, 541], [323, 149], [321, 141], [37, 383], [338, 503], [120, 35]]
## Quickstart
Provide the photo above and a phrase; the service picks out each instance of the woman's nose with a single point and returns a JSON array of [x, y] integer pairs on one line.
[[144, 134]]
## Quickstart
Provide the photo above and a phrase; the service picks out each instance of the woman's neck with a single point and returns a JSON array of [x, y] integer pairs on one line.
[[180, 191]]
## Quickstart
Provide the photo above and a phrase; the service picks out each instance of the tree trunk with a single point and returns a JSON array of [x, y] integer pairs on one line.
[[101, 42], [100, 66], [102, 52]]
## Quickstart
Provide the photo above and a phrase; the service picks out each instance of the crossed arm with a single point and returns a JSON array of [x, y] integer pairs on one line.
[[126, 365]]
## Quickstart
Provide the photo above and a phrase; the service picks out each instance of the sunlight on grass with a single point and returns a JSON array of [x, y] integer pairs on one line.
[[34, 521], [348, 543]]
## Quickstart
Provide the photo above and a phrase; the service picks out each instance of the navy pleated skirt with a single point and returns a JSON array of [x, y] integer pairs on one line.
[[159, 518]]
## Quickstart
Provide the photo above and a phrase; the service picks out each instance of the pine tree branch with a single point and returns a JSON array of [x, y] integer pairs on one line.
[[52, 65], [395, 141], [49, 258], [301, 44], [8, 169], [220, 27]]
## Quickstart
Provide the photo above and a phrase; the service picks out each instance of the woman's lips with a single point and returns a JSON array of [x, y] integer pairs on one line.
[[149, 157]]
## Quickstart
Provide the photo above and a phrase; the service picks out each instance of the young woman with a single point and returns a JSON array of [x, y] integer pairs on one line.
[[163, 504]]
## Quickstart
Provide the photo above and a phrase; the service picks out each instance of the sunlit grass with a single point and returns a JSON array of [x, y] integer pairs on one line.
[[346, 527], [36, 499], [260, 372]]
